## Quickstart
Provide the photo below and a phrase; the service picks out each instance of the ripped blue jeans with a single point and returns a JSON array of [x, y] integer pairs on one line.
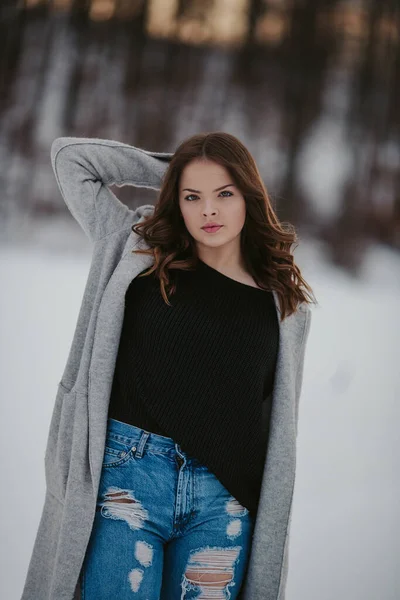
[[165, 527]]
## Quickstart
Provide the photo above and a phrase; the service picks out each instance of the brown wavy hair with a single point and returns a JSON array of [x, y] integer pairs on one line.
[[265, 242]]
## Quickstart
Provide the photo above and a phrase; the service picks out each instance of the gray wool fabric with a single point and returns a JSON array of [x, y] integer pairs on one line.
[[84, 167]]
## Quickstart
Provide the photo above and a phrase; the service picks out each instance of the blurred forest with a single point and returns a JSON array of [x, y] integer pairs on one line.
[[312, 87]]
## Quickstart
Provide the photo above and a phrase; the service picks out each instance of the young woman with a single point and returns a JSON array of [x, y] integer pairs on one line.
[[170, 461]]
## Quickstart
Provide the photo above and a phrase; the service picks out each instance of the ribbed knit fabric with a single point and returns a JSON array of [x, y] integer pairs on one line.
[[201, 371]]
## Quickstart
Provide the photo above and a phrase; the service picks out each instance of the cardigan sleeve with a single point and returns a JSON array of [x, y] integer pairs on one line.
[[300, 369], [85, 167]]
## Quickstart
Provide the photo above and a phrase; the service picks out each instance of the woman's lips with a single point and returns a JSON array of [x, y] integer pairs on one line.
[[212, 229]]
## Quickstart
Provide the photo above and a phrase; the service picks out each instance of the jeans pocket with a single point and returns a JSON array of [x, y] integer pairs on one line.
[[116, 452]]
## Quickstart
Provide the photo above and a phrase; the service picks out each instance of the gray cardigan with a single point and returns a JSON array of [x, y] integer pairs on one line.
[[84, 167]]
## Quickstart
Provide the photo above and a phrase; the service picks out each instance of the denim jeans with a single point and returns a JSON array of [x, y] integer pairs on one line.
[[165, 527]]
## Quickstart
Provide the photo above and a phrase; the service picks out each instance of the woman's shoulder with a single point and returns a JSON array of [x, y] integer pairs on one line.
[[304, 307]]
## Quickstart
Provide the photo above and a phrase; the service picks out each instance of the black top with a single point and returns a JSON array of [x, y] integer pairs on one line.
[[201, 371]]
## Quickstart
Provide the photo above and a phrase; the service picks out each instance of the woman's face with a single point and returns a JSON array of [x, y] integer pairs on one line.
[[208, 193]]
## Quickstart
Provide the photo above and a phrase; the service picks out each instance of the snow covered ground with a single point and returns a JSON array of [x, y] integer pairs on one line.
[[345, 541]]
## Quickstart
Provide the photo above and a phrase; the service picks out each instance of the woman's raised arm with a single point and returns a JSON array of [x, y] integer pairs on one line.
[[84, 167]]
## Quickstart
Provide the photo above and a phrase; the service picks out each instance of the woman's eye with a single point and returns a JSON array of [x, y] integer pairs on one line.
[[223, 192]]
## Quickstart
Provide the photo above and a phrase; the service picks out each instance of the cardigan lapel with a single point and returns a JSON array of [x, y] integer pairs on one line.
[[270, 538]]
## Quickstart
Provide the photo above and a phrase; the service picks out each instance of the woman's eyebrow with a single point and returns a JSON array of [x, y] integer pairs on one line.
[[216, 190]]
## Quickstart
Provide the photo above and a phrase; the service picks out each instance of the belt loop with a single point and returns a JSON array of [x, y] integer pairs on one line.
[[140, 447]]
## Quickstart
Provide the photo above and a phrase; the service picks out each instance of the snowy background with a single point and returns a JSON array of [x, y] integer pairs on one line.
[[312, 88]]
